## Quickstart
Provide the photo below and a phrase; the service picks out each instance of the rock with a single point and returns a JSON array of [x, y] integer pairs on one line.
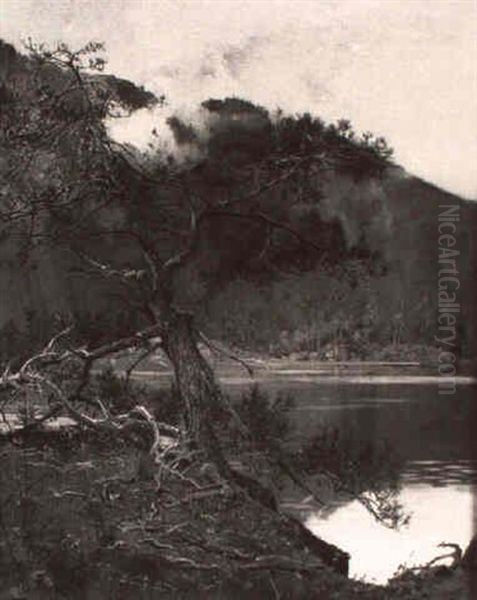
[[330, 555], [469, 560]]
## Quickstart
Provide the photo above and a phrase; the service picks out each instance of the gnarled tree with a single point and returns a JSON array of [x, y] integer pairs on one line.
[[153, 236]]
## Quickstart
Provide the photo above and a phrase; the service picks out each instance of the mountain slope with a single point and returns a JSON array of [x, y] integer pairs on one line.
[[390, 212]]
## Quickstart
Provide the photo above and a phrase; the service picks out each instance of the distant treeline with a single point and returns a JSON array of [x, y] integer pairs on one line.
[[325, 316]]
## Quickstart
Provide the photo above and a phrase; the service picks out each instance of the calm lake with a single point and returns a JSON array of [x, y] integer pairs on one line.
[[434, 436]]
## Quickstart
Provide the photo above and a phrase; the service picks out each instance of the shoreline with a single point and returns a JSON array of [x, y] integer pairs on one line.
[[373, 373]]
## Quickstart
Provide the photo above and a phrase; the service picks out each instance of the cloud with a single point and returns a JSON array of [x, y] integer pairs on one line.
[[405, 70], [252, 70]]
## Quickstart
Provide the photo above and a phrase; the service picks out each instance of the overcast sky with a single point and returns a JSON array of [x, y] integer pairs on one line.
[[404, 69]]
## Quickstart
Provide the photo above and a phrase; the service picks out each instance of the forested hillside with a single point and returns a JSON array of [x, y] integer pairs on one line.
[[354, 276], [365, 315]]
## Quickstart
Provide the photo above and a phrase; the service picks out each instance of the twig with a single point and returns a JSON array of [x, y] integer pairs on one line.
[[279, 562], [188, 563], [69, 493], [147, 352], [274, 588], [227, 353], [156, 544]]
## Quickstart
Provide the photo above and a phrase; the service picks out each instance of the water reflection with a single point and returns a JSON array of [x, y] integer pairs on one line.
[[441, 473], [437, 514], [434, 437]]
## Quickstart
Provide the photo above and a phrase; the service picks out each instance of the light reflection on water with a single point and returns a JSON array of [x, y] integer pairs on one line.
[[433, 435], [441, 473], [437, 514]]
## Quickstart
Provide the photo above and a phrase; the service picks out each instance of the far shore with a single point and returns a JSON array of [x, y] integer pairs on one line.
[[351, 372]]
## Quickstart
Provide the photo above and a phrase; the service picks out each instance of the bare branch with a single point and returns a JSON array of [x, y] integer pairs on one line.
[[273, 223], [227, 353], [297, 162], [142, 356], [194, 237]]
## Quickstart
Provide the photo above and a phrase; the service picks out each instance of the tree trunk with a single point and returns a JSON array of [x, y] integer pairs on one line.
[[196, 385], [201, 396], [200, 393]]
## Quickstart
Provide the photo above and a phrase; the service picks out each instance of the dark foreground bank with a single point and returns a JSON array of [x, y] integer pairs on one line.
[[83, 518]]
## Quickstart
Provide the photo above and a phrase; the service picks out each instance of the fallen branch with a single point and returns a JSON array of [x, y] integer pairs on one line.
[[278, 562], [69, 494]]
